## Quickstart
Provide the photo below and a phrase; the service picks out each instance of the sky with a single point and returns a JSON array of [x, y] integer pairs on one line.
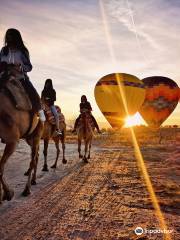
[[68, 44]]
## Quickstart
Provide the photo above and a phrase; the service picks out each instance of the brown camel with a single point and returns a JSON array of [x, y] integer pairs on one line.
[[49, 133], [85, 132], [14, 125]]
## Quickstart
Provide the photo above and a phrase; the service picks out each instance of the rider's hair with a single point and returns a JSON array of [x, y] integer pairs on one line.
[[83, 96], [17, 41], [48, 83]]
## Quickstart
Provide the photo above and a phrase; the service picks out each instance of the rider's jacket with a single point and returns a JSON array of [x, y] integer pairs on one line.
[[15, 56], [85, 106], [49, 95]]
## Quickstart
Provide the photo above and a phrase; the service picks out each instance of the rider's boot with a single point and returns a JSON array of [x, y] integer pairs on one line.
[[58, 131]]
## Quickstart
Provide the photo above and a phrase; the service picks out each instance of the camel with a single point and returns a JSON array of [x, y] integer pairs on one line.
[[85, 132], [15, 124], [49, 133]]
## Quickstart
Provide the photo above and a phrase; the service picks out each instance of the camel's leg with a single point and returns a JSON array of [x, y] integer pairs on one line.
[[89, 154], [57, 152], [64, 161], [9, 149], [46, 143], [0, 193], [34, 156], [29, 142], [34, 142], [33, 181], [160, 136], [79, 148], [86, 143]]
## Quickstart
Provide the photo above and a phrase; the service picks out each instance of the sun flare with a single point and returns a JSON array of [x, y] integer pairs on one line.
[[134, 120]]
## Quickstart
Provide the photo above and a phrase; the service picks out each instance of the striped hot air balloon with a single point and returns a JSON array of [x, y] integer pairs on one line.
[[162, 96], [119, 93]]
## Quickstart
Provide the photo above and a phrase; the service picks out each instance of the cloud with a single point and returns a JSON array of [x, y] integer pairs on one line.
[[126, 14], [67, 42]]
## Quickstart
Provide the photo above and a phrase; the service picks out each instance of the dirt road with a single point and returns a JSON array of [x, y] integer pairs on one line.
[[103, 200]]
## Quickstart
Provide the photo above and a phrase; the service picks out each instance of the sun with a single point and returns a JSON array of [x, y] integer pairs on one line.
[[134, 120]]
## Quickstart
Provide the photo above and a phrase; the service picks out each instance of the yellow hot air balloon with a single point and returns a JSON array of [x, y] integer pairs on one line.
[[118, 95]]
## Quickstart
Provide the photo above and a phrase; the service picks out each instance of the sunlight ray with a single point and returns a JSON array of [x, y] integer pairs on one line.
[[138, 154]]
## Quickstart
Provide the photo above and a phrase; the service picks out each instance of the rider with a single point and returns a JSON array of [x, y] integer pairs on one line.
[[14, 52], [85, 105], [48, 96]]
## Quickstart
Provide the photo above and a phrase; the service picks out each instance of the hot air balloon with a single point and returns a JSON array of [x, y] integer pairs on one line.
[[162, 96], [118, 95]]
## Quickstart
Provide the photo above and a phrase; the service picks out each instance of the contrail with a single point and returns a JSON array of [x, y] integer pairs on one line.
[[136, 33]]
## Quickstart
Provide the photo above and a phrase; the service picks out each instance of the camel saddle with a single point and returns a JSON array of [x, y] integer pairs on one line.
[[49, 115], [17, 93], [90, 120]]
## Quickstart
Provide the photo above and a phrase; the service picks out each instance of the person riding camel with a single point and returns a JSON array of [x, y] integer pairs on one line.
[[16, 54], [48, 96], [85, 106]]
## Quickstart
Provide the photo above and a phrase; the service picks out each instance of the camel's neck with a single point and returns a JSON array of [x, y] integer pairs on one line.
[[85, 125]]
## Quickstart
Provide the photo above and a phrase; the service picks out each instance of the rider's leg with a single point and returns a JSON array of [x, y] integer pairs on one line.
[[95, 123], [76, 124], [56, 115], [34, 97]]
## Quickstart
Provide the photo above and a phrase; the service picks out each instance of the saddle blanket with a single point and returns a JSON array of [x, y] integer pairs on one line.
[[19, 95], [90, 120], [50, 116]]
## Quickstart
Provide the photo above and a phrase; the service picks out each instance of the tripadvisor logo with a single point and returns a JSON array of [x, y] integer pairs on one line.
[[139, 231]]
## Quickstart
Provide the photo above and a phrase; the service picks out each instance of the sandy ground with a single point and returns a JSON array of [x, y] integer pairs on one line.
[[103, 200]]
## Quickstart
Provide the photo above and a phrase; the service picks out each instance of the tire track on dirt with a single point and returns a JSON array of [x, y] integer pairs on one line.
[[97, 192], [97, 201], [53, 200], [109, 205]]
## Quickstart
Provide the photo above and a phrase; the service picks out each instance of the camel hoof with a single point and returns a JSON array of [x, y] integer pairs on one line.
[[64, 161], [80, 156], [33, 182], [8, 195], [85, 160], [27, 173], [53, 166], [45, 168], [88, 157], [26, 192]]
